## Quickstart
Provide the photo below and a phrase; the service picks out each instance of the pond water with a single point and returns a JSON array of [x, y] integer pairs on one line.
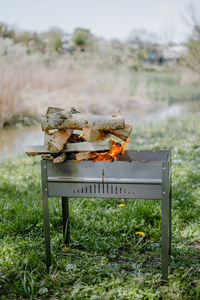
[[14, 140]]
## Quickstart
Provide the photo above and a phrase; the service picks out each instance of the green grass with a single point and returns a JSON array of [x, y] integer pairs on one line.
[[100, 262], [164, 85]]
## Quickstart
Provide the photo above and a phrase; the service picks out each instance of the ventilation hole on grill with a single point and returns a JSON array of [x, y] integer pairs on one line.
[[116, 189], [99, 188], [90, 189], [94, 188], [120, 190], [82, 190], [124, 191], [86, 189], [77, 191], [107, 189], [111, 189], [129, 193]]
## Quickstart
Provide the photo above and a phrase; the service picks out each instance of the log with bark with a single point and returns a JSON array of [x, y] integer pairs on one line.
[[82, 155], [72, 119], [124, 133], [59, 139], [59, 158], [93, 135]]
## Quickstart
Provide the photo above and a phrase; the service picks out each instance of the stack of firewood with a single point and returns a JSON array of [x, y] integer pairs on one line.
[[86, 136]]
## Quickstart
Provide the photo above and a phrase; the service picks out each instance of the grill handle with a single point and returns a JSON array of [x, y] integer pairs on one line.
[[105, 180]]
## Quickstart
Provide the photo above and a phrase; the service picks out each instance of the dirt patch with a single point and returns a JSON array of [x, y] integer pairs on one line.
[[153, 260], [195, 245]]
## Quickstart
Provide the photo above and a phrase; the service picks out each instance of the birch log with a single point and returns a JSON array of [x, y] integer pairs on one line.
[[82, 155], [59, 158], [93, 135], [74, 120], [124, 133], [59, 139]]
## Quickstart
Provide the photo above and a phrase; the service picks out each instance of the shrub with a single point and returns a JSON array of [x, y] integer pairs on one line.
[[82, 37]]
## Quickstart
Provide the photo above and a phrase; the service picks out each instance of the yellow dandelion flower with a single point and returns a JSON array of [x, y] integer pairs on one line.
[[123, 234], [121, 205], [140, 233], [123, 199]]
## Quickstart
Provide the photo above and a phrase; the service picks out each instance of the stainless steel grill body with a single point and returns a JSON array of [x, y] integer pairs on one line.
[[136, 175]]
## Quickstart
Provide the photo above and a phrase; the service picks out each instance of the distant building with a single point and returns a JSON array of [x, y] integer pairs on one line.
[[165, 54], [155, 57], [67, 43]]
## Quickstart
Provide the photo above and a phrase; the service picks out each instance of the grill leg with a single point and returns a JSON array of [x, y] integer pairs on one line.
[[170, 221], [165, 239], [65, 214], [166, 231], [46, 215], [46, 231]]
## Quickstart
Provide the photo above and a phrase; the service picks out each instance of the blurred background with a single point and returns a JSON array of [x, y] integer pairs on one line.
[[141, 58]]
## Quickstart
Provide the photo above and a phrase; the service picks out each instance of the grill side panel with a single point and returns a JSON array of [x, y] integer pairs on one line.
[[119, 179], [105, 190], [103, 170]]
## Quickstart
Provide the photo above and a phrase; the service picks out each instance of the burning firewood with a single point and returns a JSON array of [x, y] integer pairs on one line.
[[83, 136], [110, 155]]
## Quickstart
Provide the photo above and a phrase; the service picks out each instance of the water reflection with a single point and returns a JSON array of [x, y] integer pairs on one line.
[[14, 140]]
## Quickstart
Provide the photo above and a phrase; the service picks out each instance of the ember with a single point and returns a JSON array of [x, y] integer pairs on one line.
[[110, 155]]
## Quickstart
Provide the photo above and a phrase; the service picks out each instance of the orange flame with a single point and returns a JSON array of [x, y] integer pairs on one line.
[[110, 155]]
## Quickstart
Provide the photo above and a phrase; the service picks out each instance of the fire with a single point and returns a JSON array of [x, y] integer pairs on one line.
[[110, 155]]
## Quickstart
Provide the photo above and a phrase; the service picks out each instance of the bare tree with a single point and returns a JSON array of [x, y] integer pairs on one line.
[[192, 59], [143, 38]]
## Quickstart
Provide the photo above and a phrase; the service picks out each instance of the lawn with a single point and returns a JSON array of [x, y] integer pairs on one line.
[[106, 259]]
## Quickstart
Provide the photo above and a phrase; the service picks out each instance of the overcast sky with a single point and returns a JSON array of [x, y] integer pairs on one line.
[[106, 18]]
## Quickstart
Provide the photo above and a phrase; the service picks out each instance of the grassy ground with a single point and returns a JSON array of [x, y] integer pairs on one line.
[[106, 259], [173, 85]]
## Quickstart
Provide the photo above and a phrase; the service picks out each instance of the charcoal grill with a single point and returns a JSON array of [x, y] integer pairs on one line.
[[134, 175]]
